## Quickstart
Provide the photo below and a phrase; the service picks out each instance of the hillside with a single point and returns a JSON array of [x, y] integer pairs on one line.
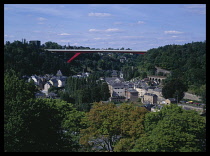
[[187, 62]]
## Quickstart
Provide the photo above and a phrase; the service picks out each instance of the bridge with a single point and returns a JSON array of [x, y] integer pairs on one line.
[[159, 79], [80, 51]]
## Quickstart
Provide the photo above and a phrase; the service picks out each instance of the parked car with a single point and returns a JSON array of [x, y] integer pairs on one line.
[[191, 102]]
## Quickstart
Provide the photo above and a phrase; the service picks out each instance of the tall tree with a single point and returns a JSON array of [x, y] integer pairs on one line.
[[174, 88], [173, 129], [107, 124]]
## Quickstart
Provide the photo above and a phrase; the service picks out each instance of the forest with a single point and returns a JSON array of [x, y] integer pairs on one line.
[[64, 125], [186, 62]]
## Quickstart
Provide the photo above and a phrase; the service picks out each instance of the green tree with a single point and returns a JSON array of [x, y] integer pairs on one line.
[[173, 129], [174, 88], [110, 127], [104, 92], [37, 125], [102, 126], [29, 124]]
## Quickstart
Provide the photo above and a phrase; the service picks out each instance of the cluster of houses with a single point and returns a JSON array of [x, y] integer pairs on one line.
[[44, 83], [121, 91]]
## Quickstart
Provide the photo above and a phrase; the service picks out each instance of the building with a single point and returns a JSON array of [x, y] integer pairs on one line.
[[150, 98], [54, 82], [61, 83], [59, 73], [170, 100], [40, 95], [117, 89], [47, 86], [117, 99], [141, 90], [156, 108], [114, 73], [35, 42], [131, 95], [82, 75]]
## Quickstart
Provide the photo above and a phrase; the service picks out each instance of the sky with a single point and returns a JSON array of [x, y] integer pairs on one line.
[[135, 26]]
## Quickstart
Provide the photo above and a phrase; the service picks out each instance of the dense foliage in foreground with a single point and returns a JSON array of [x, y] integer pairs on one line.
[[54, 125]]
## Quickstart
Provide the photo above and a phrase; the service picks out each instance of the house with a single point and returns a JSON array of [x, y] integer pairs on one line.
[[150, 98], [156, 108], [117, 89], [40, 95], [61, 82], [34, 78], [121, 75], [141, 90], [59, 74], [54, 82], [170, 100], [47, 86], [52, 96], [111, 80], [131, 95], [114, 73], [81, 75], [117, 99]]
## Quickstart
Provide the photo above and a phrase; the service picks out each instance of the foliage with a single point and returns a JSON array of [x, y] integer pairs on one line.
[[174, 88], [107, 124], [37, 125], [186, 62], [173, 129], [85, 91]]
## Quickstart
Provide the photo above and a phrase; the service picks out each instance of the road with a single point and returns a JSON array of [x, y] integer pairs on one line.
[[191, 97]]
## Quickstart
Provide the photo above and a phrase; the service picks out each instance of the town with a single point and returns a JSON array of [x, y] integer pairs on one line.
[[135, 90]]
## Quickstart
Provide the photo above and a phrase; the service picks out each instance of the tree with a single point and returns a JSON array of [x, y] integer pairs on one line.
[[37, 125], [104, 92], [108, 124], [28, 123], [102, 126], [173, 129], [174, 88]]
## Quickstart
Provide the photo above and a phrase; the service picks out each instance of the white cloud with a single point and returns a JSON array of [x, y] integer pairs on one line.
[[172, 32], [140, 22], [97, 38], [74, 44], [180, 40], [99, 14], [132, 37], [195, 6], [9, 36], [64, 34], [65, 41], [112, 30], [106, 30], [94, 30], [41, 19]]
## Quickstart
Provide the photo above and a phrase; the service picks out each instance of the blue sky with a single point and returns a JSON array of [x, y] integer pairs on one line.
[[135, 26]]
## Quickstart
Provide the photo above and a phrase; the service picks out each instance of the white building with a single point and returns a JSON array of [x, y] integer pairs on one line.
[[141, 90], [117, 89], [61, 83], [47, 87]]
